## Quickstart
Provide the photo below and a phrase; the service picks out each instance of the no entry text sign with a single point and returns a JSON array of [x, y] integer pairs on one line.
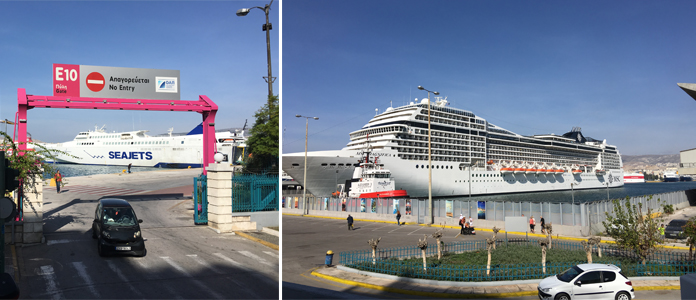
[[115, 82]]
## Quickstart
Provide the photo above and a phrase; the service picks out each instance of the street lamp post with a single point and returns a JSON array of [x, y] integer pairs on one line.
[[430, 161], [267, 28], [304, 183]]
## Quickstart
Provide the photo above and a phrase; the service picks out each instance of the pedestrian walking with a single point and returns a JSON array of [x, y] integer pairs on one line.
[[129, 166], [398, 217], [350, 222], [543, 225], [59, 180], [531, 223]]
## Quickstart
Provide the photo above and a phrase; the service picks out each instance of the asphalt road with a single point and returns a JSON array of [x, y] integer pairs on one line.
[[184, 261], [306, 240]]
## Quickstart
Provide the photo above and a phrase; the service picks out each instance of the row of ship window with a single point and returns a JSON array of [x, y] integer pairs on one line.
[[131, 143]]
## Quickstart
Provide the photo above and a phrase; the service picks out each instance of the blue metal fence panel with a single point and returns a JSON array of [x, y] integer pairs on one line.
[[200, 200], [252, 193]]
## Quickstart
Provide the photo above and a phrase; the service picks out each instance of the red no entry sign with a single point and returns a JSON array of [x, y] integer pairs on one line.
[[95, 81]]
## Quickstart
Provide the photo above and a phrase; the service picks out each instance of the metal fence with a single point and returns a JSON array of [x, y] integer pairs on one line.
[[251, 192], [400, 261], [200, 200], [557, 213]]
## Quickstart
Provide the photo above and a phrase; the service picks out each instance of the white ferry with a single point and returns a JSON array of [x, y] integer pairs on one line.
[[372, 180], [469, 155], [634, 178], [99, 147]]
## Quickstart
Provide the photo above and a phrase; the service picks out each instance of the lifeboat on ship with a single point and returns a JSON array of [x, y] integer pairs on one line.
[[505, 169], [531, 170], [576, 171], [541, 170], [560, 171], [551, 170], [519, 170], [600, 172]]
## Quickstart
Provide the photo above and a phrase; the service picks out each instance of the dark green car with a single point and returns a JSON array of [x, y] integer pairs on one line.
[[117, 229]]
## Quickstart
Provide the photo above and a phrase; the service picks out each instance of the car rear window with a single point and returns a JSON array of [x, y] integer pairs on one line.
[[608, 276], [622, 274]]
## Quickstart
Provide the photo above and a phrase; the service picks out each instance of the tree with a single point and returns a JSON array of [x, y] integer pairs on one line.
[[437, 235], [495, 235], [423, 244], [595, 241], [30, 165], [263, 142], [690, 233], [634, 230], [544, 244], [373, 243], [549, 232], [588, 250], [489, 247]]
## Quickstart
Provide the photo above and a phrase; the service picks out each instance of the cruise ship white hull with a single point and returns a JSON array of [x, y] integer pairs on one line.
[[326, 168]]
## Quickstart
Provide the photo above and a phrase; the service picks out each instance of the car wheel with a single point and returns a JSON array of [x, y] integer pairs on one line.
[[623, 296], [94, 234], [99, 248], [562, 296]]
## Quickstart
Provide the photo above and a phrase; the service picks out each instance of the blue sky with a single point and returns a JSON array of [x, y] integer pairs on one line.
[[218, 54], [532, 67]]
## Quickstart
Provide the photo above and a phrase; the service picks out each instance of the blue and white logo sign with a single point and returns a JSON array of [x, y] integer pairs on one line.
[[166, 85]]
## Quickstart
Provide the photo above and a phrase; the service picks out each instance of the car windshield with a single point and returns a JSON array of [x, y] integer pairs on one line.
[[677, 223], [569, 274], [119, 216]]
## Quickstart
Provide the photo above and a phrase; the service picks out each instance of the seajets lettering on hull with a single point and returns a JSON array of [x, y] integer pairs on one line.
[[130, 155]]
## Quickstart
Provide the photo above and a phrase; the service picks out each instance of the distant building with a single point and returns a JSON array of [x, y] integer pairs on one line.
[[687, 162]]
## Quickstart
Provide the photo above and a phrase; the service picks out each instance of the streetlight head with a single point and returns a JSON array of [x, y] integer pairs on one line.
[[316, 118], [242, 12], [298, 116], [436, 93], [420, 87]]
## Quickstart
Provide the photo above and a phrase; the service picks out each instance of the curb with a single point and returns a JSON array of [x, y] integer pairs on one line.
[[478, 229], [270, 231], [461, 296], [262, 242]]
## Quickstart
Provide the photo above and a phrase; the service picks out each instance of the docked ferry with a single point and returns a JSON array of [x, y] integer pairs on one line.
[[469, 156], [634, 178], [99, 147]]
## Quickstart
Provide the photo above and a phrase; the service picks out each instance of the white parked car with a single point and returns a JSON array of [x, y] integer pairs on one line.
[[587, 281]]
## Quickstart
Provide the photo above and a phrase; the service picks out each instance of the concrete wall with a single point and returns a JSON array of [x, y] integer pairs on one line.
[[262, 218]]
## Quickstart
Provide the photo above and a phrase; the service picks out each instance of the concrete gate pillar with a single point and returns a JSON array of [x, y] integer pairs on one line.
[[220, 197], [32, 231]]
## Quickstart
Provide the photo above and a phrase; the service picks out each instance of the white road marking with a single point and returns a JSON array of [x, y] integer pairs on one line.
[[123, 278], [198, 283], [51, 284], [271, 253], [82, 271], [380, 227], [419, 228], [256, 257], [232, 261], [201, 262]]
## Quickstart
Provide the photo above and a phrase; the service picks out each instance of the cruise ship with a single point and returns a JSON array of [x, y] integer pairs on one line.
[[469, 156], [99, 147]]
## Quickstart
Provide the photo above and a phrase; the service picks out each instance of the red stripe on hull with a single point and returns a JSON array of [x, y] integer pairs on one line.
[[385, 194]]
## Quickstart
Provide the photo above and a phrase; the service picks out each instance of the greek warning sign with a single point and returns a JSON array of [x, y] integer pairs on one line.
[[115, 82]]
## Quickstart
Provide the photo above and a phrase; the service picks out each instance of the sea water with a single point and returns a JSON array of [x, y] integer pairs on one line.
[[72, 170]]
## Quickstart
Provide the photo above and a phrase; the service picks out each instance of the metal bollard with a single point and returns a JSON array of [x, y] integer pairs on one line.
[[329, 258]]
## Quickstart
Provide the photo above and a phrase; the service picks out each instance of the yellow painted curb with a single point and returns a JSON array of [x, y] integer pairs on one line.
[[267, 244], [339, 218], [420, 293]]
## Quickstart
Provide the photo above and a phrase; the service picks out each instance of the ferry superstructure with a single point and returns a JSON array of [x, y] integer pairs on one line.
[[634, 178], [469, 155], [99, 147]]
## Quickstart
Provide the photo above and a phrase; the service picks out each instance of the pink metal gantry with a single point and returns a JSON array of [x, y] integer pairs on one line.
[[204, 106]]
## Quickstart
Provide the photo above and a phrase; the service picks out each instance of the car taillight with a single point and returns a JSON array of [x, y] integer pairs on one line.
[[629, 283]]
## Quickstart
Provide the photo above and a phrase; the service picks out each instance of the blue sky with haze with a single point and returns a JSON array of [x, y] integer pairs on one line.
[[218, 54], [532, 67]]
